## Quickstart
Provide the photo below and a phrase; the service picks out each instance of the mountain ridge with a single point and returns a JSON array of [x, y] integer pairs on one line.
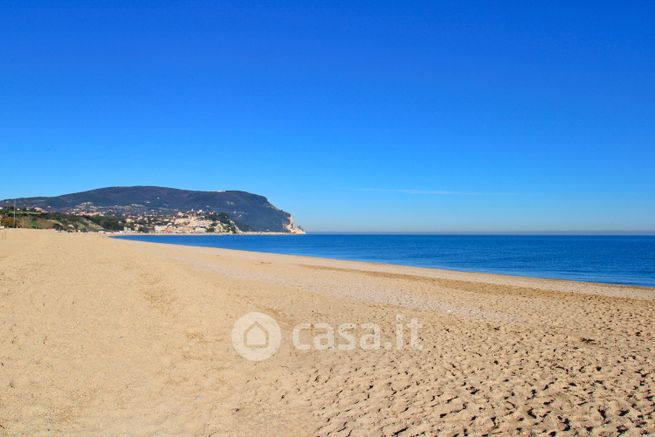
[[251, 212]]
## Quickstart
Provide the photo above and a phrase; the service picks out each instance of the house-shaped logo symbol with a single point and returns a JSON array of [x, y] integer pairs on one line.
[[256, 336]]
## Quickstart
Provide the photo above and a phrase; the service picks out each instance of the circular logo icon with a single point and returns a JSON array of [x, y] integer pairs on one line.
[[256, 336]]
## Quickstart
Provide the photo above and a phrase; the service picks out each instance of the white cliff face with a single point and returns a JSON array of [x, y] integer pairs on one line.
[[293, 228]]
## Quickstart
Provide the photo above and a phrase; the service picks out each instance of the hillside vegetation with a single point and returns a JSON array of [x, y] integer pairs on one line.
[[33, 219]]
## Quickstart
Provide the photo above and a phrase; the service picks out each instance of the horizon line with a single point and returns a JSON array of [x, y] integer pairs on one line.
[[488, 232]]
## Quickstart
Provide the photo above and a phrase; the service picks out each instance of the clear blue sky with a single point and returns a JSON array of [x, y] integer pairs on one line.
[[395, 116]]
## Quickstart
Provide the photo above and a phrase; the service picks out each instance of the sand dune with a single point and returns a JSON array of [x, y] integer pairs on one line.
[[112, 337]]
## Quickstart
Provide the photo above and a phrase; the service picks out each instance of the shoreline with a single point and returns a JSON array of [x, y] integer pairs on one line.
[[411, 272], [195, 234], [438, 269]]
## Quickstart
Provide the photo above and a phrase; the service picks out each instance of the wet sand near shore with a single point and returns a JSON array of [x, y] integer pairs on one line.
[[115, 337]]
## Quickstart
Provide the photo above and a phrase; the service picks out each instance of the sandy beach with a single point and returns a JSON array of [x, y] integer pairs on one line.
[[112, 337]]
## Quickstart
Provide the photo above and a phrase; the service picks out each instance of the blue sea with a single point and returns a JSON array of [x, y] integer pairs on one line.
[[611, 259]]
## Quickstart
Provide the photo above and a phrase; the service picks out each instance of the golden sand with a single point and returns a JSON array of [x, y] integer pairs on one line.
[[114, 337]]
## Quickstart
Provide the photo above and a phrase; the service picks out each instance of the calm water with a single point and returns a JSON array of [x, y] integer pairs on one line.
[[612, 259]]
